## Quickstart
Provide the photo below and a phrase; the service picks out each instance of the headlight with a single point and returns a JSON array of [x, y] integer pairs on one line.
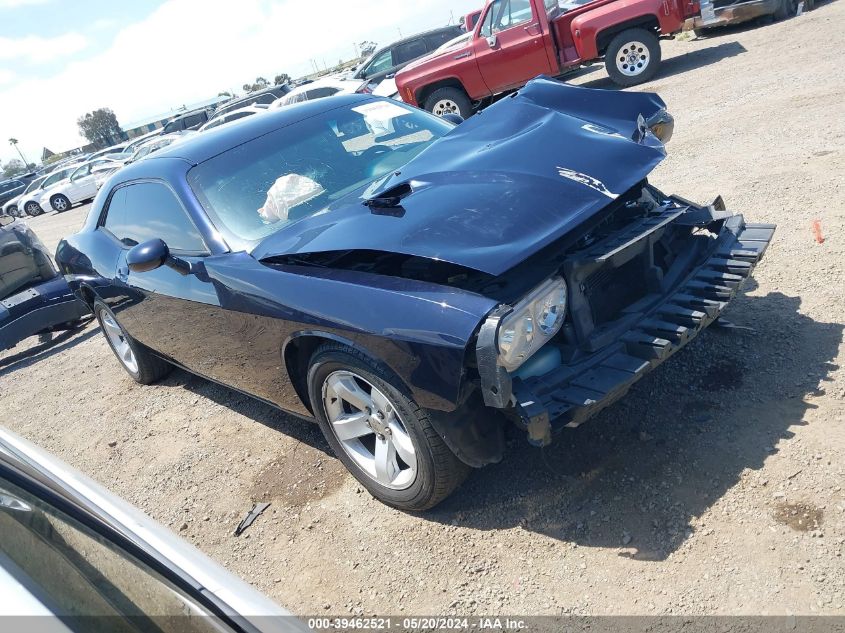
[[532, 324]]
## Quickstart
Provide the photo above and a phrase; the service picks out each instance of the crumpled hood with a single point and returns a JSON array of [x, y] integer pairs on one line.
[[500, 186]]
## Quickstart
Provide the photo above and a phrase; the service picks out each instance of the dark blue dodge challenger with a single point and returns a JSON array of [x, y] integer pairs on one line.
[[407, 281]]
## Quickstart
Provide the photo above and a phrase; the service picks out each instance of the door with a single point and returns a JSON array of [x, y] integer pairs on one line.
[[510, 48], [164, 310], [83, 184]]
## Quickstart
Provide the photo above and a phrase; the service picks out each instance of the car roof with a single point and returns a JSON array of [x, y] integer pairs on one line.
[[410, 38], [212, 142]]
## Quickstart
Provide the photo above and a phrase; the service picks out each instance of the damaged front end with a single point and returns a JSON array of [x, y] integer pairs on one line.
[[639, 287]]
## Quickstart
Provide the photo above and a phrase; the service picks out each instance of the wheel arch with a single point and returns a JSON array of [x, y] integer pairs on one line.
[[298, 349], [649, 22], [426, 91]]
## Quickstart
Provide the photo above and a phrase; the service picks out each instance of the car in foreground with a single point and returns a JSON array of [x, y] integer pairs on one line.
[[76, 558], [34, 297], [403, 279], [319, 89], [234, 115]]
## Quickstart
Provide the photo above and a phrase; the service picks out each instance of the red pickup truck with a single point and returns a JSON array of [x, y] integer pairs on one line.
[[516, 40]]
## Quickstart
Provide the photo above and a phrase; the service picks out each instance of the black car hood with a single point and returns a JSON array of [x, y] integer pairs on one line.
[[500, 186]]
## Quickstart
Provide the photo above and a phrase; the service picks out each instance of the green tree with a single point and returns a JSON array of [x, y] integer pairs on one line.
[[13, 167], [260, 84], [366, 47], [100, 127], [281, 78]]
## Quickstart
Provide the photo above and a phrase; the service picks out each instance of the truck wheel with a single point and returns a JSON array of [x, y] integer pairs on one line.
[[449, 101], [382, 436], [632, 57], [144, 367]]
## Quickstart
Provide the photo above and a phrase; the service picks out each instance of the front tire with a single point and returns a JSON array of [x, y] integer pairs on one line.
[[33, 209], [380, 434], [449, 101], [142, 365], [632, 57], [60, 203]]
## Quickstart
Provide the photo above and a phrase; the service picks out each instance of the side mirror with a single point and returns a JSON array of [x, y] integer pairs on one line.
[[492, 41], [154, 254], [451, 117]]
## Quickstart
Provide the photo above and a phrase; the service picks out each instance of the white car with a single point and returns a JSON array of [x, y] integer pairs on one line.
[[234, 115], [326, 87], [80, 185], [155, 144], [30, 201]]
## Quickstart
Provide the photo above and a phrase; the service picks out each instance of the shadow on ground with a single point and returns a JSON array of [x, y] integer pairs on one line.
[[695, 58], [59, 342], [636, 475]]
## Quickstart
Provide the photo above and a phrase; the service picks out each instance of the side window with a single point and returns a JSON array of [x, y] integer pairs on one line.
[[512, 13], [195, 119], [319, 93], [487, 27], [266, 98], [173, 126], [149, 210], [409, 51], [436, 40], [381, 62]]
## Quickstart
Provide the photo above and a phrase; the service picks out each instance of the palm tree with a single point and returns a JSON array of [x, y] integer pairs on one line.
[[14, 143]]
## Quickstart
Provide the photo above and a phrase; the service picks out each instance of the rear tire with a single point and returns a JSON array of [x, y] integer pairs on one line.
[[60, 203], [431, 470], [449, 101], [632, 57], [142, 365]]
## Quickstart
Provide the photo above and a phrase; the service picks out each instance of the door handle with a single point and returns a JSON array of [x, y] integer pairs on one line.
[[533, 29], [463, 55]]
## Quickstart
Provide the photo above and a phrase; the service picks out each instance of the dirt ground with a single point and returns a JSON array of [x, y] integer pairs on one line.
[[714, 487]]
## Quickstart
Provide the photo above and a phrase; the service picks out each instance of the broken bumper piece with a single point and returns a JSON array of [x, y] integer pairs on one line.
[[571, 394]]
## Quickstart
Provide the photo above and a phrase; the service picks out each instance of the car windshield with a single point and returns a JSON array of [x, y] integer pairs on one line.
[[35, 184], [258, 187]]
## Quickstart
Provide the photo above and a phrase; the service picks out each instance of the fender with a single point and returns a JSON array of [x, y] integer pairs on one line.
[[587, 27]]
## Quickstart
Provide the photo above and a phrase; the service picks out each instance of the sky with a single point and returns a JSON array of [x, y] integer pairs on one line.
[[62, 58]]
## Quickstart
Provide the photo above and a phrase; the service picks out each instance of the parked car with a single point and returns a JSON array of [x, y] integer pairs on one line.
[[155, 144], [108, 151], [74, 557], [30, 202], [234, 115], [403, 280], [12, 188], [136, 142], [260, 97], [80, 185], [14, 207], [387, 61], [723, 12], [190, 121], [34, 297], [517, 40], [319, 89]]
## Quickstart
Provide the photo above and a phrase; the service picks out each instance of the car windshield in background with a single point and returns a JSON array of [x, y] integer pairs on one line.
[[256, 188]]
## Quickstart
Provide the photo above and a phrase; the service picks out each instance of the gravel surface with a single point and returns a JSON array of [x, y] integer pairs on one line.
[[715, 486]]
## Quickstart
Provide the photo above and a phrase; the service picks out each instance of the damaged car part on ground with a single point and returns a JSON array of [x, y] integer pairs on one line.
[[402, 279], [34, 297]]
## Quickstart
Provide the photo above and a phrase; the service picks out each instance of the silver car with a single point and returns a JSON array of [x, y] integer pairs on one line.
[[86, 560]]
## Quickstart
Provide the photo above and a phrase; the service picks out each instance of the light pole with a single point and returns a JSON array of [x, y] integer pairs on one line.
[[14, 143]]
